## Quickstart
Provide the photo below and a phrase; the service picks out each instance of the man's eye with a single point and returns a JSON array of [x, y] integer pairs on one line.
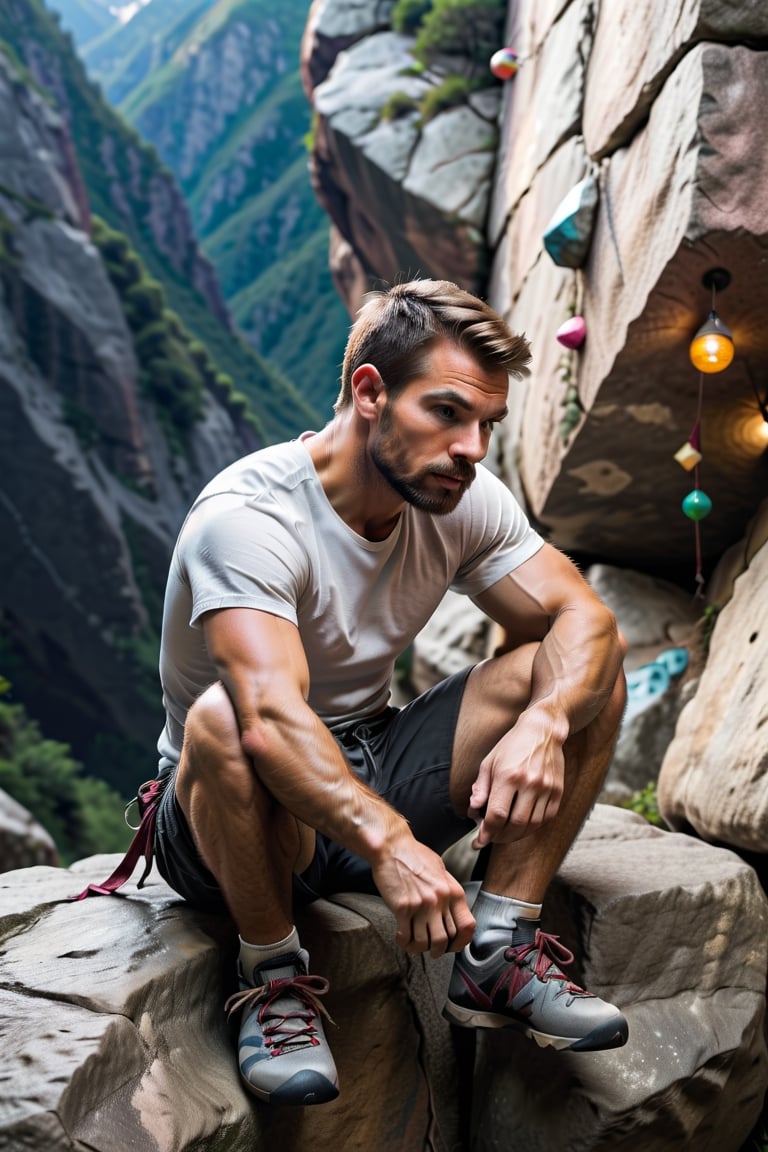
[[446, 412]]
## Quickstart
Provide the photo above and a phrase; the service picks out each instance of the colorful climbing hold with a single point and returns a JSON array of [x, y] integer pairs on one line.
[[572, 333], [504, 63]]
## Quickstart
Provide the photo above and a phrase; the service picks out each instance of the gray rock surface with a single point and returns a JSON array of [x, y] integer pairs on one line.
[[334, 25], [84, 533], [23, 842], [652, 614], [543, 104], [667, 928], [613, 489], [115, 1039], [715, 774], [632, 56], [409, 198]]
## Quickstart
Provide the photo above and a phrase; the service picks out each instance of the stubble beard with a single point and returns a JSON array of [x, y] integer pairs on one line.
[[412, 489]]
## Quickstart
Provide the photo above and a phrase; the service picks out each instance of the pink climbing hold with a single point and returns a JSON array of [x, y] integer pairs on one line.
[[572, 333]]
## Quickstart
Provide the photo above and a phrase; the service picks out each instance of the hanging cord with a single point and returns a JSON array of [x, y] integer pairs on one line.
[[695, 439]]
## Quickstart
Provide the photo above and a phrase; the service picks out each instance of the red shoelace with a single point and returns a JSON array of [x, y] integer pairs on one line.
[[549, 952], [284, 1030]]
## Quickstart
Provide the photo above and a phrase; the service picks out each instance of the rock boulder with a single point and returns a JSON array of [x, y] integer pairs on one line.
[[115, 1038], [714, 777]]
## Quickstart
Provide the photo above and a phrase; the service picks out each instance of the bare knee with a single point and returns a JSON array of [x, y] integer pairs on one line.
[[211, 740], [211, 719]]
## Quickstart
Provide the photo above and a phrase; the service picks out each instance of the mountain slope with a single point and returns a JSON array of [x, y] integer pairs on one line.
[[129, 188], [111, 420], [121, 381], [122, 58], [228, 115], [85, 19]]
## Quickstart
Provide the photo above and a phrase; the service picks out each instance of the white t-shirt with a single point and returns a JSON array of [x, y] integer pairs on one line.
[[263, 535]]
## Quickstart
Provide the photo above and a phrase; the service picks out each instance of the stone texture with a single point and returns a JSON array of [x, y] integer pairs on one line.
[[615, 492], [23, 842], [652, 614], [642, 744], [736, 559], [548, 295], [668, 929], [457, 635], [410, 200], [634, 50], [114, 1037], [73, 585], [714, 778], [542, 105], [332, 26], [349, 278], [530, 24]]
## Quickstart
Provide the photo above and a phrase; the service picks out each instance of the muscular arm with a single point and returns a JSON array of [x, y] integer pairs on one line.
[[573, 676], [262, 665]]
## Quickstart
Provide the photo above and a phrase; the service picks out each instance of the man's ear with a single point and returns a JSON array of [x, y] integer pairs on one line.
[[367, 391]]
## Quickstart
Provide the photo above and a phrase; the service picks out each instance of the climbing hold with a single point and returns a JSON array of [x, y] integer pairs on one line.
[[504, 63], [569, 233], [572, 333], [675, 660]]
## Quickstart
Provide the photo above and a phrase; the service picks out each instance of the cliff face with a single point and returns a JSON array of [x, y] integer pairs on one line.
[[144, 198], [664, 112], [224, 107], [91, 493], [405, 197]]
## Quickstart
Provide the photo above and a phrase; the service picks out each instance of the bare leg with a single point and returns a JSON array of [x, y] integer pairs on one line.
[[496, 693], [251, 844]]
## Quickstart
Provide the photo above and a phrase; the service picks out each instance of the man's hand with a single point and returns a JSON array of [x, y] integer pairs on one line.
[[429, 904], [520, 783]]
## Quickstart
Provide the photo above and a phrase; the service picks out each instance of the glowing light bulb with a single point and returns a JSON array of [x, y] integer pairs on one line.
[[712, 347]]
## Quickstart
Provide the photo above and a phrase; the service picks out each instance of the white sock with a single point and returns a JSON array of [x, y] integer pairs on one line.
[[253, 954], [497, 918]]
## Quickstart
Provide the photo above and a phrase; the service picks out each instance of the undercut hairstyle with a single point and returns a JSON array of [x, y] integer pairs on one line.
[[396, 330]]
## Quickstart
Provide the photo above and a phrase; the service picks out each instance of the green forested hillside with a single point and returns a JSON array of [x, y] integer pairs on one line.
[[127, 54], [85, 19], [129, 188], [224, 107]]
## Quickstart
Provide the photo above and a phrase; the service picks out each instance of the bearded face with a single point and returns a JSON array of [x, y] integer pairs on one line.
[[436, 486]]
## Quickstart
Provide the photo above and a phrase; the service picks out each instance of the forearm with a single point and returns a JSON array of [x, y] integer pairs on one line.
[[301, 765], [575, 669]]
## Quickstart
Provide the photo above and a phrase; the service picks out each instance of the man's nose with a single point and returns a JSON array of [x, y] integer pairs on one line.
[[470, 443]]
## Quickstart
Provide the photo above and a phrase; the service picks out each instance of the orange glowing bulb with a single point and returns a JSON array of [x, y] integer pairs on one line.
[[712, 347]]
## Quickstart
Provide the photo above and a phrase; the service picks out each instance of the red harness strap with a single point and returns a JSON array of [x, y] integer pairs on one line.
[[143, 844]]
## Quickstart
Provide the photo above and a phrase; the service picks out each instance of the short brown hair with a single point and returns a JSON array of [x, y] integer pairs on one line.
[[395, 330]]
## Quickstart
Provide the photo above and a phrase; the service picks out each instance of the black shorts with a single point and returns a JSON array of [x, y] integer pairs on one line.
[[402, 754]]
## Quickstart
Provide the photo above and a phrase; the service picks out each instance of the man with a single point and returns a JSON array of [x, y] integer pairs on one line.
[[300, 574]]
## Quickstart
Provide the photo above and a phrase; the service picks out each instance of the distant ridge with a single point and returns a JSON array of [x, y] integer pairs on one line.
[[215, 86]]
